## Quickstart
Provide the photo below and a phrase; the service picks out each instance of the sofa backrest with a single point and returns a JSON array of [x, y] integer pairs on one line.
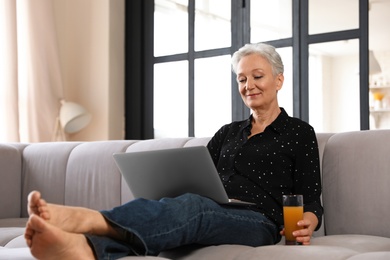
[[75, 173], [356, 174]]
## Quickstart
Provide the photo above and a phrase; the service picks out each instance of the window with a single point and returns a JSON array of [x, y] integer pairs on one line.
[[270, 20], [192, 73], [199, 36], [171, 99], [212, 95], [334, 101], [212, 24], [170, 14]]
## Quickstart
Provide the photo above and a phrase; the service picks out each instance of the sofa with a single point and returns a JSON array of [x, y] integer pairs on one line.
[[355, 179]]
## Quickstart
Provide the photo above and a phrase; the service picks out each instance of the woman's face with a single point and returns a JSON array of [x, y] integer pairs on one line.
[[257, 84]]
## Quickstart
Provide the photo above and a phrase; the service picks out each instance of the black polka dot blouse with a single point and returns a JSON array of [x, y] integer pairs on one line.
[[283, 159]]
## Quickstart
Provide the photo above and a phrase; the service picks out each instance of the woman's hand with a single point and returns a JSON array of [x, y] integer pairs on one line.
[[308, 224]]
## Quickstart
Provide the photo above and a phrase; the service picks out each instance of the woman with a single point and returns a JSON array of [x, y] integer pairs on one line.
[[258, 159]]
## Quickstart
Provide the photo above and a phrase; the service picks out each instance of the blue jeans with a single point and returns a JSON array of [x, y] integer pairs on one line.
[[154, 226]]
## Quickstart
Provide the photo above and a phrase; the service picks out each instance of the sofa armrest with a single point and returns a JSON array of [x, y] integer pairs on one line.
[[356, 183], [11, 181]]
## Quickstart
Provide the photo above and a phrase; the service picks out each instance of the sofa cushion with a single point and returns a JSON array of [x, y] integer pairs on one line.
[[15, 253], [8, 234], [202, 141], [327, 247], [317, 252], [372, 255], [44, 169], [158, 144], [17, 242], [358, 243], [92, 178], [194, 252]]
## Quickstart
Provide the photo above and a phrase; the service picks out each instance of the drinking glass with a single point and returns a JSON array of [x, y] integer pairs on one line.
[[292, 213]]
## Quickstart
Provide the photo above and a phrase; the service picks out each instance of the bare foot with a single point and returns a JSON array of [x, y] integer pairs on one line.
[[49, 242], [70, 219]]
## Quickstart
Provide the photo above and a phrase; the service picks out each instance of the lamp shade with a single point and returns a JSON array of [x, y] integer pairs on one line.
[[73, 117]]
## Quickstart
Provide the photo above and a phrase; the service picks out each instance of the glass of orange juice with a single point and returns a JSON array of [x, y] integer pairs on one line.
[[292, 213]]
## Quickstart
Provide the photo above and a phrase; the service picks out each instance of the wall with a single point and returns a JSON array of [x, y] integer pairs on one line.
[[336, 106], [340, 82], [344, 109], [381, 120], [91, 46]]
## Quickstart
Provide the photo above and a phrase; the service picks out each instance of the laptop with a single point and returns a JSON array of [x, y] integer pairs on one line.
[[173, 172]]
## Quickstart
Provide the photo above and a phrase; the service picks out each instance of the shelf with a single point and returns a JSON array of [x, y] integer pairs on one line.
[[377, 114], [379, 87], [382, 110]]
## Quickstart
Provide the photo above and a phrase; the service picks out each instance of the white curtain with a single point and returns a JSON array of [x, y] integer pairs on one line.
[[30, 75]]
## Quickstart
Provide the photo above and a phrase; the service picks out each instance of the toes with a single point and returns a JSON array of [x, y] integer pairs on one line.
[[33, 201], [28, 235], [36, 223], [34, 197], [37, 205]]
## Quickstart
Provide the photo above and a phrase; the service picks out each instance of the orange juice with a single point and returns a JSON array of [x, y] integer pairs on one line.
[[291, 214]]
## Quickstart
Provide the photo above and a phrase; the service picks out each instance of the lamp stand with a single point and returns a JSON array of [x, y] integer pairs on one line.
[[58, 134]]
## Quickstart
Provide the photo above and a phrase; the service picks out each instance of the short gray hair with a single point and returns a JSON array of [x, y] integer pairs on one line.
[[265, 50]]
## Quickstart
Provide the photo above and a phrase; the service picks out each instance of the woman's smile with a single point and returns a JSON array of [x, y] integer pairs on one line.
[[253, 95]]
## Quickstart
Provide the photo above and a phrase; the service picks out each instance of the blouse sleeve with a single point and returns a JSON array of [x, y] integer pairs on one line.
[[215, 144], [307, 179]]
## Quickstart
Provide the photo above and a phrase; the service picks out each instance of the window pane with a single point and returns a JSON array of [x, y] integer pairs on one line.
[[333, 15], [212, 24], [334, 99], [285, 95], [270, 20], [171, 99], [170, 27], [212, 94]]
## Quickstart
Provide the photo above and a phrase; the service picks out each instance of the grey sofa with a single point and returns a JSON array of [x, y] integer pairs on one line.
[[356, 194]]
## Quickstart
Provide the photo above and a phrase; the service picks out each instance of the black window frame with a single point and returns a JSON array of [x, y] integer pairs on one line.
[[139, 61]]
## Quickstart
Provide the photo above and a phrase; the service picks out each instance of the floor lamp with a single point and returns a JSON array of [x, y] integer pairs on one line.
[[72, 118]]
